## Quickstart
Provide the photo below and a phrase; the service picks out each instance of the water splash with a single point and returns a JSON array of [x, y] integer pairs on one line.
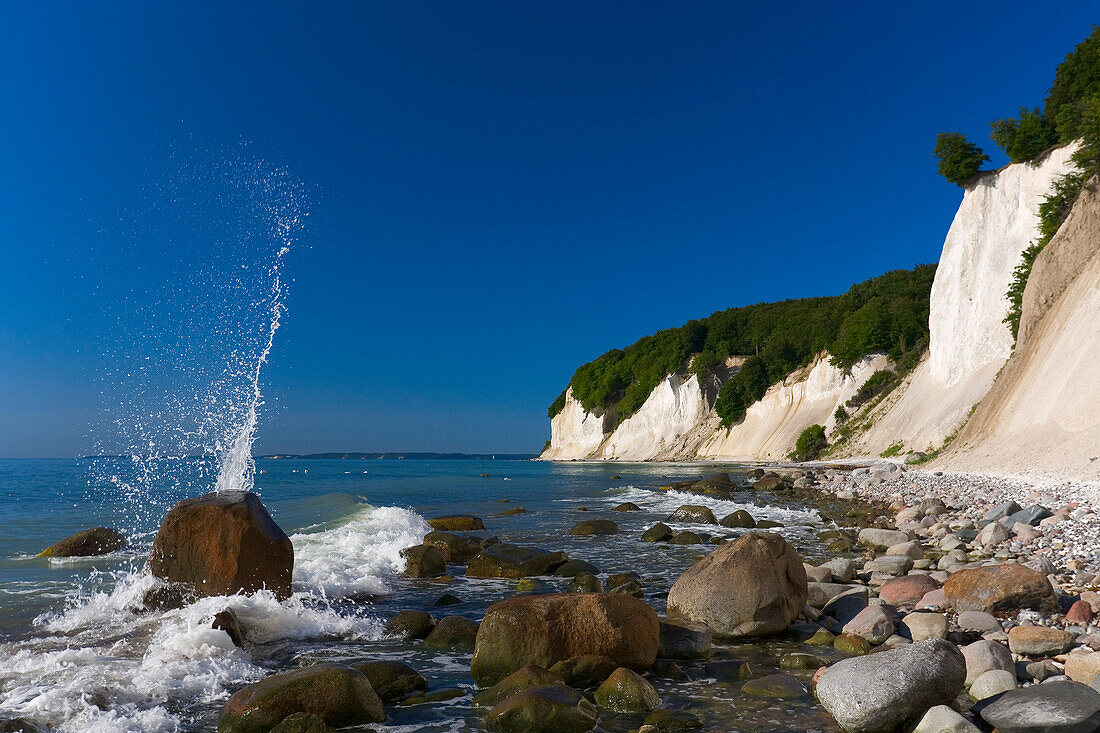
[[193, 293]]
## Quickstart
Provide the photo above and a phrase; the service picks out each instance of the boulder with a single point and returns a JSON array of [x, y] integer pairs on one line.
[[991, 683], [627, 507], [942, 719], [881, 539], [878, 693], [457, 523], [693, 514], [995, 588], [684, 640], [1038, 641], [586, 583], [223, 543], [424, 561], [872, 623], [920, 626], [340, 696], [523, 678], [626, 691], [1052, 707], [907, 590], [687, 537], [455, 633], [984, 655], [1083, 666], [753, 586], [547, 709], [411, 624], [546, 629], [977, 621], [659, 532], [739, 519], [392, 680], [593, 527], [513, 561], [86, 543], [457, 548], [226, 620]]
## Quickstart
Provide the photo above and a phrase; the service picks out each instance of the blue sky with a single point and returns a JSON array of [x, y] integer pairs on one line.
[[498, 192]]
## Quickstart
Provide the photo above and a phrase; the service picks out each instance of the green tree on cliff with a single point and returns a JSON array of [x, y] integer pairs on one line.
[[958, 159]]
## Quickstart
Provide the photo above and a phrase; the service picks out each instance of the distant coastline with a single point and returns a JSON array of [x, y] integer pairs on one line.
[[422, 456]]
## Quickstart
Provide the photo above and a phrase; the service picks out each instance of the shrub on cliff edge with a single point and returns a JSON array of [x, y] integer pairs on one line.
[[810, 444], [958, 159]]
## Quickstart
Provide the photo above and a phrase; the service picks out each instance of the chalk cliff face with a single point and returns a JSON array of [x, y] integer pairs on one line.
[[968, 340], [968, 345], [1042, 417]]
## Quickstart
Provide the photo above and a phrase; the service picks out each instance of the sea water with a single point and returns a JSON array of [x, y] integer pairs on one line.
[[80, 655]]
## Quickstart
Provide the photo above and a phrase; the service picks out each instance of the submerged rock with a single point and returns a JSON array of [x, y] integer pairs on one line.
[[659, 532], [693, 514], [223, 543], [775, 685], [392, 680], [547, 709], [739, 519], [753, 586], [411, 624], [513, 561], [593, 527], [86, 543], [684, 640], [549, 628], [878, 693], [453, 632], [585, 671], [302, 723], [523, 678], [340, 696], [457, 523]]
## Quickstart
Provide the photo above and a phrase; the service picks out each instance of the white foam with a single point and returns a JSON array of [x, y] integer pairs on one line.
[[359, 555], [102, 666], [668, 501]]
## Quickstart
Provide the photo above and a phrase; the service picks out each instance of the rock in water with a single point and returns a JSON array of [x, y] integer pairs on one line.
[[338, 695], [878, 693], [223, 543], [753, 586], [513, 561], [522, 679], [1052, 707], [1000, 588], [625, 691], [548, 709], [546, 629], [392, 680], [87, 543]]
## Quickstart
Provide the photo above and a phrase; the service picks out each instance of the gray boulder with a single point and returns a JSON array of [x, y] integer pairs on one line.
[[1052, 707], [878, 693]]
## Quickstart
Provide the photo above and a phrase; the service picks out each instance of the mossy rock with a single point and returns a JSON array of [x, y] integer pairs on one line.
[[522, 679], [767, 524], [513, 561], [626, 691], [673, 721], [424, 561], [411, 624], [546, 709], [693, 514], [628, 506], [616, 579], [392, 680], [585, 671], [573, 568], [457, 548], [586, 583], [851, 644], [659, 532], [457, 523], [530, 585], [822, 637], [590, 527], [781, 686], [453, 633], [739, 519], [86, 543], [441, 695], [801, 660], [341, 696], [686, 537], [512, 512], [633, 588], [301, 723]]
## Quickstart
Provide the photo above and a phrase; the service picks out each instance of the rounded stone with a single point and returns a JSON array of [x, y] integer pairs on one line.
[[86, 543], [991, 683], [626, 691], [591, 527]]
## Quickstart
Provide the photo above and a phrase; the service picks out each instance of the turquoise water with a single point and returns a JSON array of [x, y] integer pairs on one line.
[[80, 657]]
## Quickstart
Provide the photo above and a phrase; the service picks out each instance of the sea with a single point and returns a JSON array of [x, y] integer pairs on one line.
[[78, 653]]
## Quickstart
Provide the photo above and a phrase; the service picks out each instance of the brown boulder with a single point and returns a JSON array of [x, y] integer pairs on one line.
[[86, 543], [753, 586], [906, 590], [456, 523], [340, 696], [223, 543], [546, 629], [1000, 588], [424, 561], [455, 547]]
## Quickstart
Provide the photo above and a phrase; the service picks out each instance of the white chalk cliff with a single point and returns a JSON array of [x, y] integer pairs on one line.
[[968, 346]]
